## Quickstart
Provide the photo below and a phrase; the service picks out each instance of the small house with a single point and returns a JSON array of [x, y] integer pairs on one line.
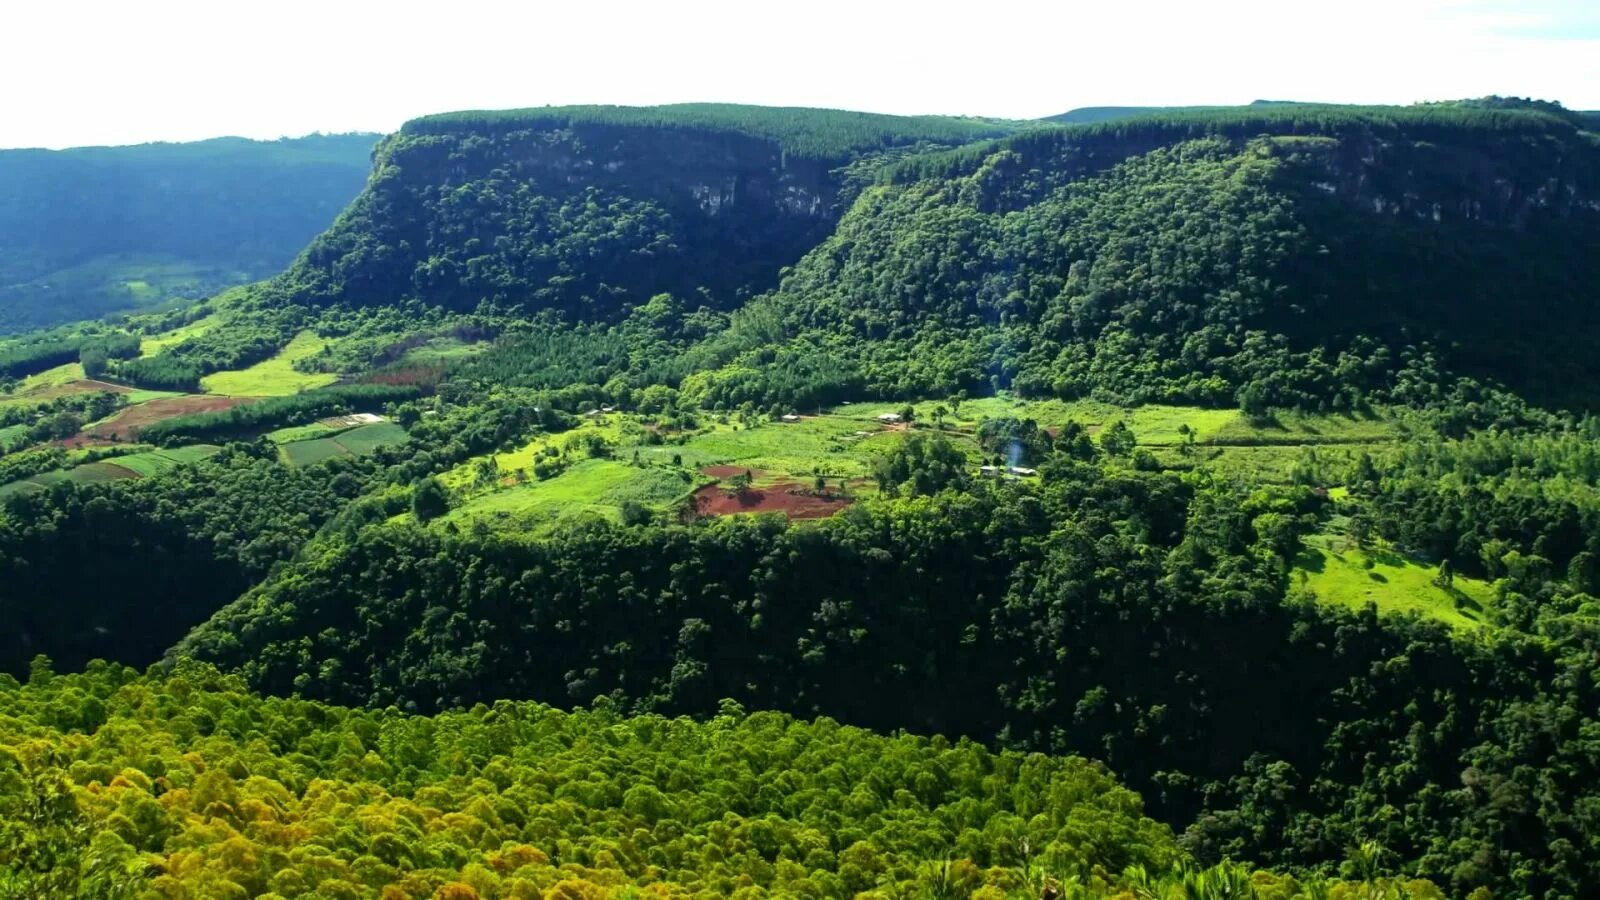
[[790, 417], [889, 418], [1022, 471]]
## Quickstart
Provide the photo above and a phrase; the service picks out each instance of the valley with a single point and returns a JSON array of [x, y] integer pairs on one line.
[[716, 500]]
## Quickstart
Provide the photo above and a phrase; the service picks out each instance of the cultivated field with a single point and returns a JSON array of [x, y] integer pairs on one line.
[[131, 465], [125, 424], [355, 442]]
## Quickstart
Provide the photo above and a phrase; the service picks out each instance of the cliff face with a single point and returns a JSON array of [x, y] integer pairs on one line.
[[588, 220], [1498, 181]]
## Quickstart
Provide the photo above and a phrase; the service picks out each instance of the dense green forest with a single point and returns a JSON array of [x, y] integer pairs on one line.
[[1199, 502], [291, 797], [94, 230]]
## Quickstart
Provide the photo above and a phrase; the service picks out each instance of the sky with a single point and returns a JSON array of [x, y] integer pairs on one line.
[[91, 72]]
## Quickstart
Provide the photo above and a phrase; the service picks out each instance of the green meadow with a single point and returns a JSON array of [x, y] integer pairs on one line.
[[274, 377], [1332, 569]]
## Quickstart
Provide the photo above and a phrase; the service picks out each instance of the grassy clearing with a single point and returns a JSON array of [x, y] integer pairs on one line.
[[829, 445], [301, 433], [367, 438], [592, 487], [137, 397], [275, 377], [1334, 570], [355, 442], [610, 429], [153, 344], [442, 350], [49, 378], [1154, 425], [13, 436]]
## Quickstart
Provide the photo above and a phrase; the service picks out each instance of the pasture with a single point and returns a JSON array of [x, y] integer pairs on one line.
[[1332, 569], [276, 376]]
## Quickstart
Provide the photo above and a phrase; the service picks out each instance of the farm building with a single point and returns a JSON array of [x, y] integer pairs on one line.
[[789, 417], [889, 418]]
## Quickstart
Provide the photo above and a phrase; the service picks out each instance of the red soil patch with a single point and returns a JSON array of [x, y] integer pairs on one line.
[[789, 498], [125, 425]]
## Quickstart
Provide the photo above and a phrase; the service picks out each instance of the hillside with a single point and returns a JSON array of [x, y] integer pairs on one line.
[[1096, 115], [95, 230], [1240, 460], [1284, 256], [590, 210]]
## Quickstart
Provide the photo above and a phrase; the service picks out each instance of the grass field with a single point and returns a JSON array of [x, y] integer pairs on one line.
[[1155, 425], [301, 433], [1335, 571], [56, 377], [355, 442], [136, 397], [153, 344], [843, 443], [442, 350], [591, 487], [275, 377], [12, 436]]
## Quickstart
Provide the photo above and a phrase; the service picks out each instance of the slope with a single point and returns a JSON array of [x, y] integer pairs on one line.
[[93, 230], [588, 210], [1271, 256]]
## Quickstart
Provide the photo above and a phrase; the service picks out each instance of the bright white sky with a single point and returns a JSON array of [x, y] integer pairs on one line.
[[77, 72]]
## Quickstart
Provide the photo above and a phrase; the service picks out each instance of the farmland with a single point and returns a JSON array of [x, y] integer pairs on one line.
[[354, 442], [125, 424], [842, 443], [274, 377], [131, 465]]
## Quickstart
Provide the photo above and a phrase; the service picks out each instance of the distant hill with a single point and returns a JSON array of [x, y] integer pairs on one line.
[[1093, 115], [90, 231]]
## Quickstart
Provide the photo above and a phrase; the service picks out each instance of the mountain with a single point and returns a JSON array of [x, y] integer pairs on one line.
[[1297, 255], [95, 230], [1246, 453], [1095, 115], [588, 211]]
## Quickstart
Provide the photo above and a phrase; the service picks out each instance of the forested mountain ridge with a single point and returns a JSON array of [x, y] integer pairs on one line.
[[590, 210], [1284, 255], [93, 230], [1176, 442]]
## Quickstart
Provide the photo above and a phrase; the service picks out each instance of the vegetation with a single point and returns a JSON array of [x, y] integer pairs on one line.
[[97, 230], [275, 376], [1202, 444], [115, 784], [294, 408]]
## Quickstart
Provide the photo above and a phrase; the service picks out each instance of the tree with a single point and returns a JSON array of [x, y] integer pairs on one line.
[[429, 500], [636, 513], [908, 414], [1255, 402], [1117, 439], [1447, 575]]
